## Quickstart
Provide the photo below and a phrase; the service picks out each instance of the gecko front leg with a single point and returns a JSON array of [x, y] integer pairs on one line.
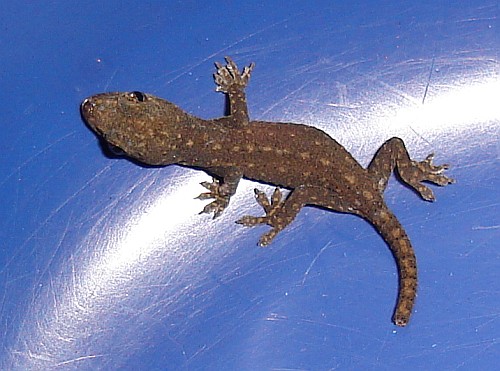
[[220, 191], [231, 81]]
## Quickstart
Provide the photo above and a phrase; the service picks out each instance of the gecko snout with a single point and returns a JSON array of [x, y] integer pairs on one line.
[[88, 111], [86, 108]]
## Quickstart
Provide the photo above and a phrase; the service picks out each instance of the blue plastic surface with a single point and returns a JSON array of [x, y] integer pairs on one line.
[[107, 265]]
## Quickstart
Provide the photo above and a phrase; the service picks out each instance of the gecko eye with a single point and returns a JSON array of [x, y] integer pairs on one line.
[[138, 95]]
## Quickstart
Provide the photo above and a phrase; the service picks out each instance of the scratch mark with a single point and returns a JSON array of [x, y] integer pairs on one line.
[[78, 359], [479, 228], [186, 71], [306, 273], [340, 327], [428, 80], [287, 97], [42, 225], [111, 78], [34, 156]]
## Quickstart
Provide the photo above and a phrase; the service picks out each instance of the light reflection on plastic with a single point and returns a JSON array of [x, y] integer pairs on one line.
[[459, 108], [118, 256], [142, 233], [123, 251]]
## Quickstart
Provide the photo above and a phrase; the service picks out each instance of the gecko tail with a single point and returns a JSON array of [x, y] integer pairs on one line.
[[395, 236]]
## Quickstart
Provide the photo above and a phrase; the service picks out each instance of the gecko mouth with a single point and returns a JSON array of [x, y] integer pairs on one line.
[[115, 150]]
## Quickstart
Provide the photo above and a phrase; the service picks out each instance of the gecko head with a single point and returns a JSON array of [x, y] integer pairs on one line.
[[136, 123], [112, 115]]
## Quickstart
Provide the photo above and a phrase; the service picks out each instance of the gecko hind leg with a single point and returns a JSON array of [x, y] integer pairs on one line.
[[393, 155], [279, 212]]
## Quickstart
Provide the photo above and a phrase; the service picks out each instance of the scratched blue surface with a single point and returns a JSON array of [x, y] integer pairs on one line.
[[106, 265]]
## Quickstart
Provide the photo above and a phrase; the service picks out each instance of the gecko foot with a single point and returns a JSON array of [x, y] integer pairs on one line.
[[271, 207], [228, 77], [426, 171], [217, 191]]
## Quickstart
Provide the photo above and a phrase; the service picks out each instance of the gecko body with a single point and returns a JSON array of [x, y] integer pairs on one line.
[[316, 169]]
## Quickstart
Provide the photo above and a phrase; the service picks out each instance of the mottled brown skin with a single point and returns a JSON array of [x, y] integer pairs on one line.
[[306, 160]]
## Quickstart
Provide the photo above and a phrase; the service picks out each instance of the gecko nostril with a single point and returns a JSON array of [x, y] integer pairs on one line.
[[88, 105]]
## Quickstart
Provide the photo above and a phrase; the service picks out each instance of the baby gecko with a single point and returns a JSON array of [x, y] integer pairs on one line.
[[318, 170]]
